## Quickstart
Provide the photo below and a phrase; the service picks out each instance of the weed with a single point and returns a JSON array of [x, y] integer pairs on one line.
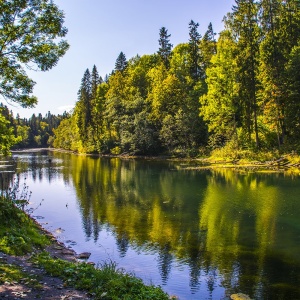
[[18, 232], [104, 282], [19, 196]]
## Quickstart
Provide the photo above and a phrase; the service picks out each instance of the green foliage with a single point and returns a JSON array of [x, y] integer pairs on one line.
[[179, 62], [165, 47], [244, 27], [195, 58], [36, 131], [208, 46], [7, 138], [219, 107], [292, 106], [262, 72], [247, 82], [67, 135], [280, 22], [104, 282], [11, 273], [31, 32], [18, 233], [121, 62]]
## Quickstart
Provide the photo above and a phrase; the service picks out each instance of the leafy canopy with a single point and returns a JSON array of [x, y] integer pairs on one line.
[[31, 36]]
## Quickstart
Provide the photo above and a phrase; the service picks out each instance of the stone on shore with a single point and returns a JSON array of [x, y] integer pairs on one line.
[[83, 255]]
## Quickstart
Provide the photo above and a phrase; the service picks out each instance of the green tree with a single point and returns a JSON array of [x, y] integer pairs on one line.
[[243, 24], [137, 133], [219, 106], [95, 81], [178, 134], [115, 108], [179, 65], [36, 126], [121, 62], [165, 47], [280, 23], [7, 137], [67, 135], [83, 107], [194, 51], [23, 134], [31, 32], [98, 117], [292, 108], [137, 74], [208, 46], [165, 93]]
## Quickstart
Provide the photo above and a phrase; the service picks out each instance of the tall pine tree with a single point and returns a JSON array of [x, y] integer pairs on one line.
[[83, 107], [165, 47], [121, 62], [243, 24], [208, 46], [280, 23], [194, 51], [95, 81]]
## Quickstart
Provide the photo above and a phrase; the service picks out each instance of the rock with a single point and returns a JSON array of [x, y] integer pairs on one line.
[[67, 252], [58, 247], [240, 296], [83, 255]]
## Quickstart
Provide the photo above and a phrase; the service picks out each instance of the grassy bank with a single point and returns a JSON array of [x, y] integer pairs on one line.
[[104, 282], [260, 161], [20, 235], [18, 232]]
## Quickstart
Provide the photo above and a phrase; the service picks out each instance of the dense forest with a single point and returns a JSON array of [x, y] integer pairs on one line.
[[36, 131], [238, 91]]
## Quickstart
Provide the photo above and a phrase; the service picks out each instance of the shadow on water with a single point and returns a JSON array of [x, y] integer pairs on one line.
[[211, 233]]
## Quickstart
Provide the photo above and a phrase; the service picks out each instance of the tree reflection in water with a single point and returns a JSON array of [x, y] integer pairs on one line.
[[225, 226]]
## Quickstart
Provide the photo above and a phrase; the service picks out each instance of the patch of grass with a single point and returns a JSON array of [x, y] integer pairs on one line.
[[104, 282], [227, 153], [12, 274], [18, 233]]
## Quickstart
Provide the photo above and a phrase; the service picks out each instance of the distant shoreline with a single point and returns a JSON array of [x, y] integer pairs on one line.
[[279, 165]]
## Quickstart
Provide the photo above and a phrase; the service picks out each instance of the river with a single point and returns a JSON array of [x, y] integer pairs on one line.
[[199, 234]]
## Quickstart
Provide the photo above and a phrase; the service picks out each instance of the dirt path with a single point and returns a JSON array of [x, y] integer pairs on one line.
[[47, 287]]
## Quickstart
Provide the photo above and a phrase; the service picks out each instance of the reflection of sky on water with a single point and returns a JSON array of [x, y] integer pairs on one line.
[[217, 231]]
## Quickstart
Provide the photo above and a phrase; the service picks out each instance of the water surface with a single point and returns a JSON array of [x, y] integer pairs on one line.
[[198, 234]]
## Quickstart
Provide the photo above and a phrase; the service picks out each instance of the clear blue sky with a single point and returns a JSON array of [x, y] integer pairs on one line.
[[99, 30]]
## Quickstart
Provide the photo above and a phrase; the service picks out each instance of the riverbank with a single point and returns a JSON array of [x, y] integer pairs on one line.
[[283, 164], [165, 172], [272, 161], [34, 265]]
